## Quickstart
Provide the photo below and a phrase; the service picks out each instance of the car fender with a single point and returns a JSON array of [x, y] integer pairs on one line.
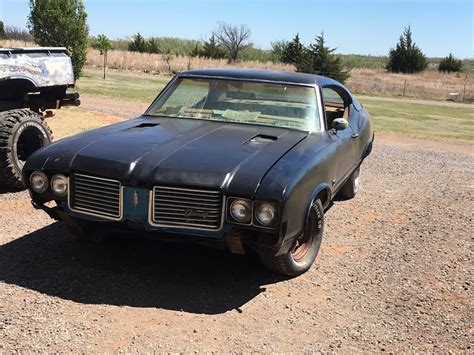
[[323, 192]]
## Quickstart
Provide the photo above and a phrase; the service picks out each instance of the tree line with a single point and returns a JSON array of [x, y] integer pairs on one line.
[[64, 23]]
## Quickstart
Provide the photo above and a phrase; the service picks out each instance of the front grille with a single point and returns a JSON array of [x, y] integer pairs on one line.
[[194, 209], [95, 196]]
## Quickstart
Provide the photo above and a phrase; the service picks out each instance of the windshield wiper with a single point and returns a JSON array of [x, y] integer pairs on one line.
[[159, 115]]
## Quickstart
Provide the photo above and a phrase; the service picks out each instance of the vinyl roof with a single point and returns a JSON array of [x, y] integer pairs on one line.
[[264, 75]]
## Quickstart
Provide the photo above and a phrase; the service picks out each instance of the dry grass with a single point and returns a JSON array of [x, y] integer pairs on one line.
[[427, 85], [6, 43], [73, 120], [158, 63]]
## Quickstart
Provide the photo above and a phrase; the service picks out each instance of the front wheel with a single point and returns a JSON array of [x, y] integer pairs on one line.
[[305, 249]]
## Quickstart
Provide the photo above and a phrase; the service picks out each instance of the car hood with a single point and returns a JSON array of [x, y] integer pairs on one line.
[[170, 151]]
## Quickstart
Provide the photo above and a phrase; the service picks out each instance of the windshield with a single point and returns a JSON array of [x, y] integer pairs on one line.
[[261, 103]]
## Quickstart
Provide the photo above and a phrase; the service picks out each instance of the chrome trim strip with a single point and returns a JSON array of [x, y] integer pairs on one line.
[[322, 116], [94, 213], [315, 86], [151, 210]]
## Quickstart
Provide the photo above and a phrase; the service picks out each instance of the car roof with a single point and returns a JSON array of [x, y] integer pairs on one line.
[[264, 75]]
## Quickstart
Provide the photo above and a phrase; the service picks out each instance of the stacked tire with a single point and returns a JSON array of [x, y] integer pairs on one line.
[[22, 132]]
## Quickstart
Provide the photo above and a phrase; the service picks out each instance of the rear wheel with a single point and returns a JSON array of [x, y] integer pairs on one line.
[[22, 132], [350, 188], [304, 250]]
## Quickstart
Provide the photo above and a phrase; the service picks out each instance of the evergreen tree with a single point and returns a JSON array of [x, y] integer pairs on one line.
[[450, 64], [152, 46], [295, 53], [3, 35], [321, 60], [138, 44], [61, 23], [212, 49], [406, 57], [196, 52]]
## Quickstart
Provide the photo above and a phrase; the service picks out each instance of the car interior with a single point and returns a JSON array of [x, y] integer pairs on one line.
[[335, 106]]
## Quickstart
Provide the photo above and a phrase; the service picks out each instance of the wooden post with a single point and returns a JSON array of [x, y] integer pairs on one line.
[[464, 89], [105, 61], [404, 87]]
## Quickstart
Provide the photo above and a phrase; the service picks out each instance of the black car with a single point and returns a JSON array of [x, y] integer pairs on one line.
[[240, 158]]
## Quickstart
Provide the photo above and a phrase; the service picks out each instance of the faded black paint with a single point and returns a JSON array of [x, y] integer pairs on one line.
[[291, 170]]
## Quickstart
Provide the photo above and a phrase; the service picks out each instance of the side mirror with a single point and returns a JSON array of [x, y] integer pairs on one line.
[[339, 124]]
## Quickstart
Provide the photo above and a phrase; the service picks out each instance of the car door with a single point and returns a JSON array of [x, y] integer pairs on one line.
[[339, 106]]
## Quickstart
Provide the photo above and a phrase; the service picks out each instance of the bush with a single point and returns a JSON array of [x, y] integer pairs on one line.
[[406, 57], [450, 64]]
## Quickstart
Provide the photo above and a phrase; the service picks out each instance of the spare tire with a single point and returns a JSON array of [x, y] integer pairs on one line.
[[22, 132]]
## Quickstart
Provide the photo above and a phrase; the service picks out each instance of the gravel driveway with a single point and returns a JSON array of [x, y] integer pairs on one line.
[[394, 273]]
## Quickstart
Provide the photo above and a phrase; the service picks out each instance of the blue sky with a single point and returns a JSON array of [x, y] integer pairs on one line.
[[361, 27]]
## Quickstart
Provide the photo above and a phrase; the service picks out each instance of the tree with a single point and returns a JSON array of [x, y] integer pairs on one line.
[[152, 46], [61, 23], [212, 49], [295, 53], [233, 38], [3, 35], [278, 50], [138, 44], [450, 64], [18, 34], [406, 57], [103, 44], [321, 60]]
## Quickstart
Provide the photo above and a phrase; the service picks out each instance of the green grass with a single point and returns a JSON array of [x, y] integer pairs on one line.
[[431, 120], [422, 120], [121, 85]]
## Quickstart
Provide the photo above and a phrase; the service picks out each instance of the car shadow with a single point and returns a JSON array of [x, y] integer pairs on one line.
[[8, 190], [136, 273]]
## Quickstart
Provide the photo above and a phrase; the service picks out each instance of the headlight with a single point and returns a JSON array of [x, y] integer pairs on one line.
[[265, 214], [241, 211], [59, 185], [38, 182]]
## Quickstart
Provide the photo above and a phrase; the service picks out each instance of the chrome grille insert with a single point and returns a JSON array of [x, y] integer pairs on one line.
[[186, 208], [95, 196]]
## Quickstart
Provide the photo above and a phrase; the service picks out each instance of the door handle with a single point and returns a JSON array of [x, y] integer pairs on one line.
[[354, 135]]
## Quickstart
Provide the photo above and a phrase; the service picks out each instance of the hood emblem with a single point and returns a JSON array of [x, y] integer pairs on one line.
[[135, 199]]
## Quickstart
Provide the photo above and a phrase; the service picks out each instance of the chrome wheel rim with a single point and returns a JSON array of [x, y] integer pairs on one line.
[[356, 180]]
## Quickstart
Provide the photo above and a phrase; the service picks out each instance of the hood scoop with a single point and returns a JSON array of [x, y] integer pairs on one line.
[[142, 126], [261, 140]]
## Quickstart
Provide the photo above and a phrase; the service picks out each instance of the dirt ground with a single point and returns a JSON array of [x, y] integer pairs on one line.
[[394, 272]]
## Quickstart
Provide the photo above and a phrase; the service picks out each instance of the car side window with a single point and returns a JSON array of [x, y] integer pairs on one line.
[[334, 106]]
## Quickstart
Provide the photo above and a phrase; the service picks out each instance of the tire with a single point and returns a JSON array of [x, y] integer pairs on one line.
[[350, 188], [305, 250], [21, 133]]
